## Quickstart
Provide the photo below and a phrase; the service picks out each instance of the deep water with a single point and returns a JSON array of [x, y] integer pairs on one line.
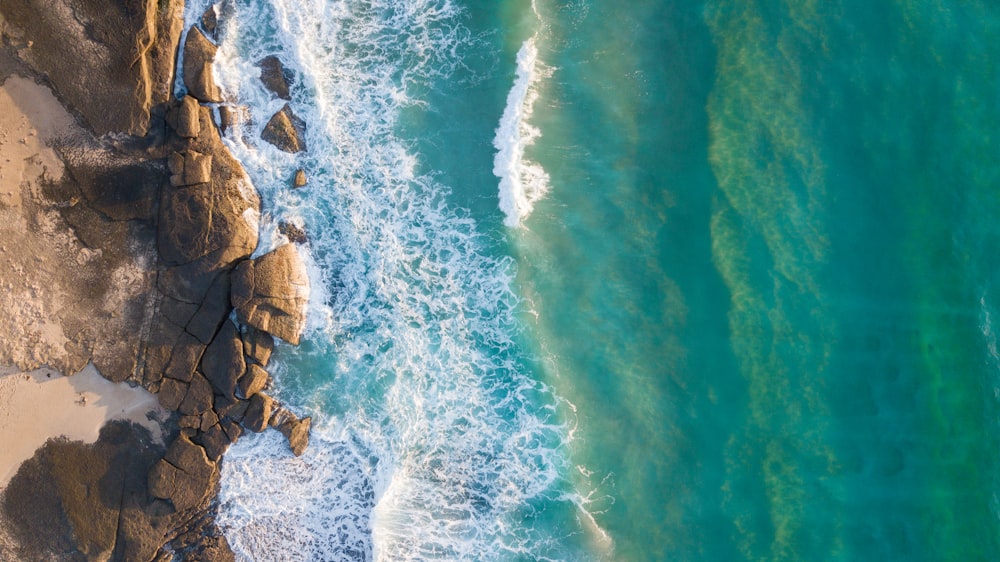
[[654, 280]]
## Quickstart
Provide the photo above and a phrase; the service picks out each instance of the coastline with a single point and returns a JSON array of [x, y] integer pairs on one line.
[[126, 258]]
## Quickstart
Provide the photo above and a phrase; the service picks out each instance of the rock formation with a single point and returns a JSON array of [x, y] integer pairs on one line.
[[275, 76], [293, 232], [285, 130], [199, 53], [270, 293], [300, 179]]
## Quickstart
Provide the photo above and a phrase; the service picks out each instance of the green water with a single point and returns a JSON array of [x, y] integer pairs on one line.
[[764, 274]]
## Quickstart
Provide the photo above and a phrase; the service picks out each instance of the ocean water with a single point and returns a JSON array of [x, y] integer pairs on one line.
[[655, 280]]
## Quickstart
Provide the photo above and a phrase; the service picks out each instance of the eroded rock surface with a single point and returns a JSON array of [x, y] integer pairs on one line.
[[285, 131], [199, 53], [270, 293]]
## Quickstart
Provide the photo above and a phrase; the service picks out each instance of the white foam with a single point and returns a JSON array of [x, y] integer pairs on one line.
[[522, 181], [443, 442]]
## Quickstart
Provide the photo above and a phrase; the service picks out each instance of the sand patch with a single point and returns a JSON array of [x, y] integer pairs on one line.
[[42, 404]]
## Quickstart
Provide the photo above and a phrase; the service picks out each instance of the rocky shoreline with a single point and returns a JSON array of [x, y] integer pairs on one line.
[[151, 184]]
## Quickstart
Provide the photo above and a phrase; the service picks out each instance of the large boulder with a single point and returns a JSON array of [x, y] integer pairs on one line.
[[199, 53], [257, 346], [297, 433], [275, 76], [223, 362], [183, 118], [271, 292], [285, 131], [189, 168], [258, 414], [253, 381]]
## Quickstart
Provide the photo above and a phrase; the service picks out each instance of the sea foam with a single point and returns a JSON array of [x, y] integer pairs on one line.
[[522, 181], [431, 438]]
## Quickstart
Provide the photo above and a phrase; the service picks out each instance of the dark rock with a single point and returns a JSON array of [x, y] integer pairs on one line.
[[300, 179], [271, 292], [199, 53], [258, 413], [163, 335], [199, 397], [257, 345], [231, 116], [190, 282], [189, 422], [297, 433], [233, 430], [253, 381], [213, 311], [210, 21], [293, 232], [208, 419], [177, 312], [172, 393], [231, 408], [285, 131], [189, 168], [184, 360], [184, 476], [223, 362], [215, 441], [275, 76], [183, 118]]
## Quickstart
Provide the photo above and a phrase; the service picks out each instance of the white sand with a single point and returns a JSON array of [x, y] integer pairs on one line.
[[42, 404]]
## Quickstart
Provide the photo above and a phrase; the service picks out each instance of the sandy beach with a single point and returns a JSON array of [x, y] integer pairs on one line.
[[43, 404]]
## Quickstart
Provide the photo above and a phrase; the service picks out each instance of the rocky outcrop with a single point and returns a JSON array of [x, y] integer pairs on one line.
[[223, 363], [258, 414], [275, 76], [271, 292], [257, 346], [297, 433], [184, 476], [253, 381], [199, 53], [293, 232], [299, 180], [184, 118], [210, 21], [285, 131]]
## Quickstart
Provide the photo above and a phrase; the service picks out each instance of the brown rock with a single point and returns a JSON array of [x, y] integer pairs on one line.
[[199, 397], [183, 118], [189, 422], [184, 475], [207, 420], [177, 312], [293, 232], [210, 21], [199, 53], [231, 116], [223, 362], [297, 433], [257, 345], [253, 381], [271, 292], [300, 179], [233, 409], [172, 393], [285, 130], [215, 441], [189, 168], [258, 413], [275, 76], [184, 360]]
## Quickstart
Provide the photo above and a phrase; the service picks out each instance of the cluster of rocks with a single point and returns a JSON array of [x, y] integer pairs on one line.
[[201, 364]]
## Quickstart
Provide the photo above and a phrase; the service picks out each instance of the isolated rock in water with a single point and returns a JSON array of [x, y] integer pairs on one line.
[[223, 362], [297, 433], [285, 131], [258, 413], [293, 232], [210, 21], [300, 179], [199, 53], [271, 292], [183, 119], [275, 76]]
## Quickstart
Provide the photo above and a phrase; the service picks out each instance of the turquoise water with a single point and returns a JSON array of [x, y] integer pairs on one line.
[[723, 286]]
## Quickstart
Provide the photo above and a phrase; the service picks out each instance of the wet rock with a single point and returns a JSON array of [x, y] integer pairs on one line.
[[275, 76], [231, 116], [258, 413], [210, 21], [223, 362], [199, 53], [293, 232], [257, 345], [285, 131], [253, 381], [183, 118], [271, 292], [215, 441], [297, 433], [231, 408], [300, 179]]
